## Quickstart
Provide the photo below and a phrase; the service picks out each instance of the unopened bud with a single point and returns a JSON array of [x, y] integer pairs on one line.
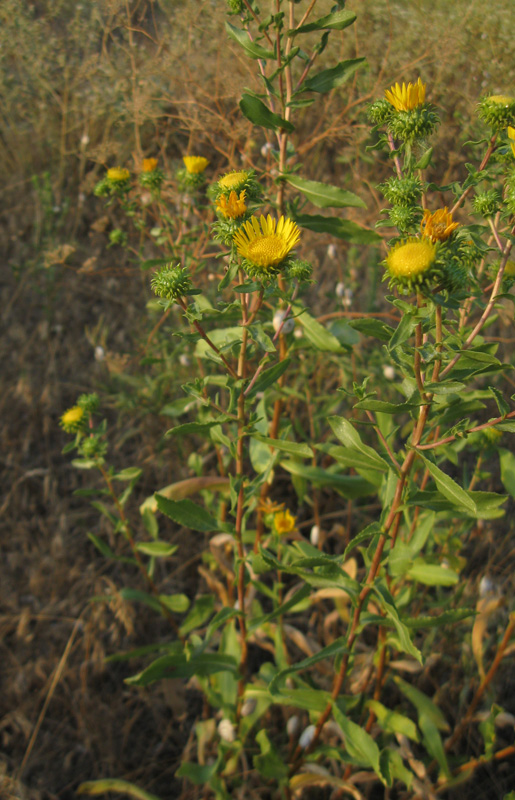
[[279, 319], [388, 372], [307, 736], [332, 251], [293, 726], [226, 730], [184, 360], [99, 353], [314, 536], [248, 707], [340, 289]]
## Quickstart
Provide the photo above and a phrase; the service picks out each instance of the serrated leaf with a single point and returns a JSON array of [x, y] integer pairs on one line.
[[341, 228], [443, 618], [188, 514], [324, 195], [502, 405], [329, 79], [257, 112], [371, 404]]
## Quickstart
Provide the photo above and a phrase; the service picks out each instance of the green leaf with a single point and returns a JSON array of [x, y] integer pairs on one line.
[[502, 405], [423, 704], [106, 550], [350, 457], [115, 785], [179, 666], [371, 404], [350, 486], [358, 743], [392, 722], [188, 428], [257, 112], [388, 603], [158, 548], [284, 446], [336, 21], [199, 774], [177, 603], [129, 474], [269, 764], [393, 767], [188, 514], [403, 331], [348, 435], [373, 327], [507, 462], [324, 195], [424, 160], [433, 743], [200, 612], [296, 598], [373, 529], [333, 649], [432, 574], [332, 78], [341, 228], [443, 618], [449, 488], [321, 338], [487, 729], [269, 376], [252, 49]]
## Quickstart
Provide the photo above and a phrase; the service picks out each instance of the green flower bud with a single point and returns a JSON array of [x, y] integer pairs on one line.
[[89, 403], [171, 283], [380, 112], [487, 203], [498, 111], [299, 270], [404, 217], [93, 447], [413, 125], [402, 191], [117, 236], [235, 6]]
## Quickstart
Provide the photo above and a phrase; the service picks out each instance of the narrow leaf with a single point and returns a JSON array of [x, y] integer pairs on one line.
[[252, 49], [332, 78], [115, 785], [257, 112], [336, 21], [449, 488], [341, 228], [324, 195], [188, 514]]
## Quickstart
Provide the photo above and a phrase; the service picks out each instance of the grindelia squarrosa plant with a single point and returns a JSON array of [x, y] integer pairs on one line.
[[319, 656]]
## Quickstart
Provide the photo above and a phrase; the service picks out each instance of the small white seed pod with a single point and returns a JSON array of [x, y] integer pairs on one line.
[[248, 707], [226, 730], [293, 726], [267, 147], [388, 372], [184, 360], [314, 536], [279, 318], [99, 353], [307, 736], [340, 289], [332, 251]]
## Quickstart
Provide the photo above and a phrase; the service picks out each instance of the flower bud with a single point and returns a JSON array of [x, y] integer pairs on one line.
[[314, 535], [248, 707], [388, 372], [307, 736], [226, 730], [279, 319], [293, 726]]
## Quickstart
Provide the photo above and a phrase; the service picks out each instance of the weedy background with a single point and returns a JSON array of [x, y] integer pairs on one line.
[[95, 84]]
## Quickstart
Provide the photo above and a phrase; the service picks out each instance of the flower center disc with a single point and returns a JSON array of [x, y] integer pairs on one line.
[[413, 258], [266, 251]]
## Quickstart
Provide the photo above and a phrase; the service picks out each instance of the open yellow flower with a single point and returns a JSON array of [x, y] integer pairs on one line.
[[195, 164], [411, 259], [149, 164], [72, 419], [118, 174], [406, 98], [511, 135], [284, 522], [509, 269], [233, 206], [438, 225], [233, 180], [266, 242]]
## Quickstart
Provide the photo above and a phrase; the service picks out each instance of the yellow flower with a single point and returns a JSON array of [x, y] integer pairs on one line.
[[72, 419], [233, 180], [284, 522], [195, 164], [406, 98], [231, 207], [438, 225], [118, 174], [511, 135], [410, 259], [266, 242], [149, 164], [501, 99]]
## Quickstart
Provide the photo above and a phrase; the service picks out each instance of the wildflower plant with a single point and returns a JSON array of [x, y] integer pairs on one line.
[[332, 628]]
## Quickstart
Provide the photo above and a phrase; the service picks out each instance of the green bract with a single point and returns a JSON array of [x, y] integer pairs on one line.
[[171, 283]]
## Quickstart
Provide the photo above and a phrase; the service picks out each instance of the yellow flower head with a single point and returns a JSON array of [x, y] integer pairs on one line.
[[233, 180], [501, 99], [438, 225], [233, 206], [71, 419], [195, 164], [511, 135], [408, 97], [265, 242], [411, 259], [118, 174], [284, 522], [149, 164]]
